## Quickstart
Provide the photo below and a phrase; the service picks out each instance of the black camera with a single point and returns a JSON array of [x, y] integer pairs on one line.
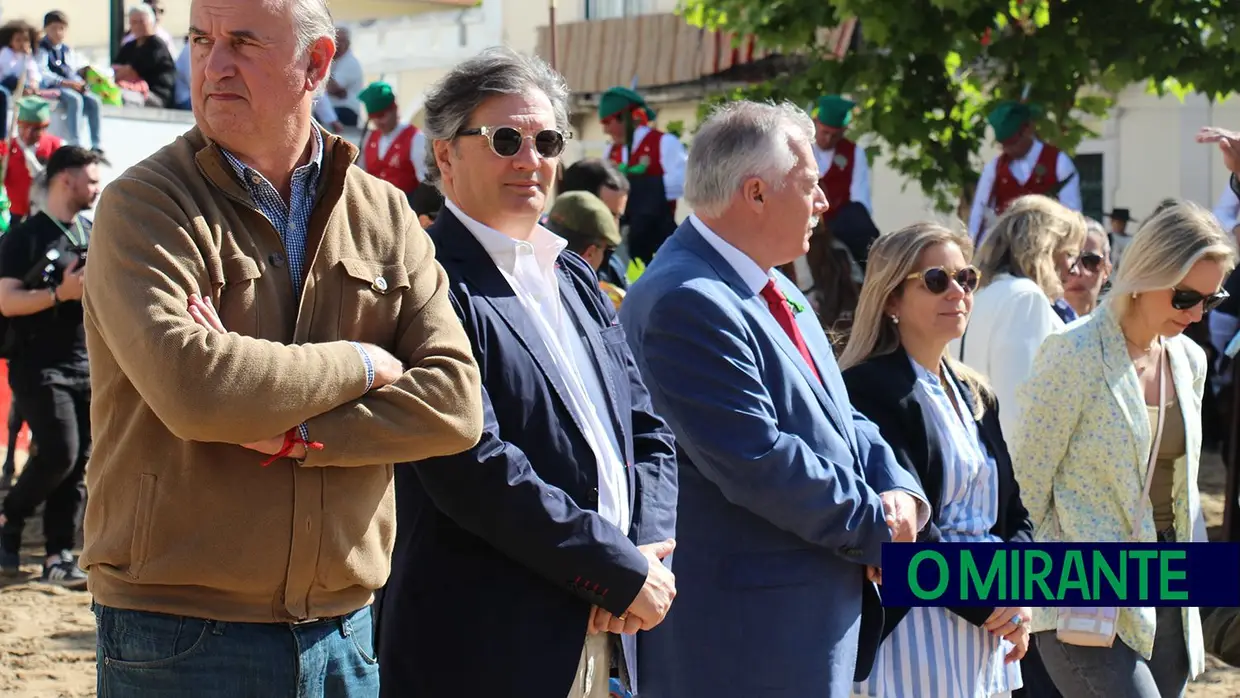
[[51, 269]]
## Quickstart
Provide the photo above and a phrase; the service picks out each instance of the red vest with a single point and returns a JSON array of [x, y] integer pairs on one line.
[[396, 166], [17, 180], [837, 182], [1044, 179], [649, 150]]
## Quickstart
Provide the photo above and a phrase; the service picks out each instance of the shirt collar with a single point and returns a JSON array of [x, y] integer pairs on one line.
[[313, 167], [502, 249], [754, 276]]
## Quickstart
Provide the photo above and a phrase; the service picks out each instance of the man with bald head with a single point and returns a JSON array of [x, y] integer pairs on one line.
[[268, 333]]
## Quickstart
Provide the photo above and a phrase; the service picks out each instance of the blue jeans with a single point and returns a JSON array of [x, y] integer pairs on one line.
[[153, 655], [79, 106]]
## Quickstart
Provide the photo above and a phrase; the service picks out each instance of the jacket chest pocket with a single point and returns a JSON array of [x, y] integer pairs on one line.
[[370, 298], [238, 295]]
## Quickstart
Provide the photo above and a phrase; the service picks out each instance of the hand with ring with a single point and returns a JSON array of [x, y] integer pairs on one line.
[[1004, 621]]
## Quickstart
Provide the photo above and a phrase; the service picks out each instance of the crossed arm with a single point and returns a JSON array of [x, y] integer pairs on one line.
[[212, 386]]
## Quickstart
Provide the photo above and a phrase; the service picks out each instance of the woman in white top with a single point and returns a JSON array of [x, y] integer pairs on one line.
[[1035, 240]]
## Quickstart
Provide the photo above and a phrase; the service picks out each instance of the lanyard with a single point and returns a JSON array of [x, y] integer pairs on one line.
[[81, 239]]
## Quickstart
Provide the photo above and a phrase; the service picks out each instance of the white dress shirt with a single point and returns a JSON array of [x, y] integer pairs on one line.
[[755, 279], [529, 268], [1022, 170], [672, 156], [859, 190]]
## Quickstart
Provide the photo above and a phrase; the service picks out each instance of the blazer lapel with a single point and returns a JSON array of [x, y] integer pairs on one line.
[[1125, 387], [479, 271], [587, 327], [755, 304], [1186, 399]]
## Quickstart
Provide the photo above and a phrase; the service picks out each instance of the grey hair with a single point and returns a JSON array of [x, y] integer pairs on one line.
[[1094, 227], [143, 9], [312, 20], [738, 141], [451, 102], [1164, 250]]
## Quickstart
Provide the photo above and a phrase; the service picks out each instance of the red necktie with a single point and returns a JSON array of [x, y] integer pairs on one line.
[[782, 311]]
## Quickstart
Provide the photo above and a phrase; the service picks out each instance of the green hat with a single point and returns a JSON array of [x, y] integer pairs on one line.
[[617, 99], [377, 97], [583, 219], [1009, 116], [834, 111], [34, 110]]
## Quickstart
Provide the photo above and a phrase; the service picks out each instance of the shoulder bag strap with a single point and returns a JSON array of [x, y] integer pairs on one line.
[[1153, 459]]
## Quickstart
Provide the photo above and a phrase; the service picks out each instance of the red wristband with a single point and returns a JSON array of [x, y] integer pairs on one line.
[[292, 437]]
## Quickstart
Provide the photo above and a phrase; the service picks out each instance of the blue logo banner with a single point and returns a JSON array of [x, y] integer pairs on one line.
[[1061, 574]]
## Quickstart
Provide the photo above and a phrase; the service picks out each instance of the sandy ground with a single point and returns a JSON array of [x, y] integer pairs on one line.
[[47, 634]]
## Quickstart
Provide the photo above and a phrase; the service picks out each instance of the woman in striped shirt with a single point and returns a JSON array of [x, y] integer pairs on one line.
[[942, 423]]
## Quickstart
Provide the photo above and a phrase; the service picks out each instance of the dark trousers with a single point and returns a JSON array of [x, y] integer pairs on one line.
[[16, 420], [57, 408], [347, 117]]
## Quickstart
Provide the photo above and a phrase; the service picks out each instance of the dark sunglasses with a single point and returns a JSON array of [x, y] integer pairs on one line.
[[937, 279], [506, 141], [1090, 262], [1186, 299]]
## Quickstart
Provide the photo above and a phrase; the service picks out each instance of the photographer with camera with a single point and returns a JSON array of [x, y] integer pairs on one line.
[[42, 267]]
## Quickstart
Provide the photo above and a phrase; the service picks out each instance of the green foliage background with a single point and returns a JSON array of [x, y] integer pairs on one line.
[[928, 70]]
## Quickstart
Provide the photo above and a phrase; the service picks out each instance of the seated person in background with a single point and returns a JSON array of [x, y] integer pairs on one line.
[[17, 63], [602, 179], [145, 65], [61, 68], [426, 201], [591, 230]]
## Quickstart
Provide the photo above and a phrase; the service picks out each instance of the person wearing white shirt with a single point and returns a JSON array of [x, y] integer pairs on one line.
[[1027, 165], [1035, 244], [565, 509], [347, 81], [653, 162], [160, 33]]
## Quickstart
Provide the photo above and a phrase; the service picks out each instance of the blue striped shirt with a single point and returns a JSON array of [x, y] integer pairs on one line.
[[934, 653], [291, 220]]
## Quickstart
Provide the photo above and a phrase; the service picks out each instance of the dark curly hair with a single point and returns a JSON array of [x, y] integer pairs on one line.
[[15, 27]]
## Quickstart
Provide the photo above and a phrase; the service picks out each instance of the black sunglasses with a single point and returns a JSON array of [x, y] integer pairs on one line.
[[1090, 262], [506, 141], [937, 279], [1185, 299]]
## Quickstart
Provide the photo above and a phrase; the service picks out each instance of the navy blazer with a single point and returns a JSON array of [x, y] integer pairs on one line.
[[883, 390], [779, 483], [500, 551]]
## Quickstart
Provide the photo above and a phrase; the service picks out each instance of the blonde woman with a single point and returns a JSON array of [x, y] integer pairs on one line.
[[1084, 446], [941, 423], [1035, 241]]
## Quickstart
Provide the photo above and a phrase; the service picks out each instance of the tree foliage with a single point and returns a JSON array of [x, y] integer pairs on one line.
[[926, 71]]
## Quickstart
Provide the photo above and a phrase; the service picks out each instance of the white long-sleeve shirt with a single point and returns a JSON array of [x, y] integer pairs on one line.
[[529, 268], [672, 156], [1022, 170], [348, 74], [860, 187]]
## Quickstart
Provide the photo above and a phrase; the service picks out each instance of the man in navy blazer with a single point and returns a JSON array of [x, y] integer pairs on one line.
[[521, 564], [786, 493]]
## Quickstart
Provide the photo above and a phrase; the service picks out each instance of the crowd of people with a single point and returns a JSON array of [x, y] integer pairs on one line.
[[411, 428]]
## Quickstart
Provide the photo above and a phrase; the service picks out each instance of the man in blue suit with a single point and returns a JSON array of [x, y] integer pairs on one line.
[[520, 564], [786, 493]]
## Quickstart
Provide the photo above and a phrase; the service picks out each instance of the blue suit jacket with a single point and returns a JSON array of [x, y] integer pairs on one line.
[[500, 551], [779, 505]]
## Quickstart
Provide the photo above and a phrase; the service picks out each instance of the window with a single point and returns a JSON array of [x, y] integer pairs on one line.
[[1089, 169], [609, 9]]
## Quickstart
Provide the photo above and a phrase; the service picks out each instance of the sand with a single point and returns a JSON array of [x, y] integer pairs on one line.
[[47, 634]]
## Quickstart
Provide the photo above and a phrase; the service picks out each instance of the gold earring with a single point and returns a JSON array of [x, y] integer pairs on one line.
[[1134, 296]]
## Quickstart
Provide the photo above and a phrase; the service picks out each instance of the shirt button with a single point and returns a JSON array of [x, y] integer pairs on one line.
[[256, 178], [276, 259], [381, 284]]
